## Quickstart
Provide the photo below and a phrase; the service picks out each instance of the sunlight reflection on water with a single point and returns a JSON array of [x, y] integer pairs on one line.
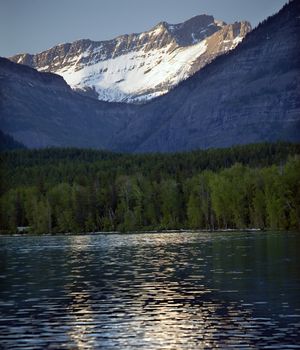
[[150, 291]]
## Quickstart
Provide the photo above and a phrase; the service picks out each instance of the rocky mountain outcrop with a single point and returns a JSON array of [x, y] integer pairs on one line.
[[138, 67], [251, 94]]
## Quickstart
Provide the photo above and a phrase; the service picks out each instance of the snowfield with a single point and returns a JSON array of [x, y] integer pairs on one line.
[[134, 73]]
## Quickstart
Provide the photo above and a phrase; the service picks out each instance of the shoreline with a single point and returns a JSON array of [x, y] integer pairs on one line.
[[106, 233]]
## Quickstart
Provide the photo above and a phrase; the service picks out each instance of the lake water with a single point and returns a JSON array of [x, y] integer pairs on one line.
[[151, 291]]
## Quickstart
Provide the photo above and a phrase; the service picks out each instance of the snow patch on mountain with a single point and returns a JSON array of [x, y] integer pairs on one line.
[[133, 73]]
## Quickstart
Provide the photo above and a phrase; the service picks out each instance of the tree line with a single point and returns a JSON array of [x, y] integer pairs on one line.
[[70, 190]]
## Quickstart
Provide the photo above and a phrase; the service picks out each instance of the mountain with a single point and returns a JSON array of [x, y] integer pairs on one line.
[[41, 110], [138, 67], [251, 94], [8, 143]]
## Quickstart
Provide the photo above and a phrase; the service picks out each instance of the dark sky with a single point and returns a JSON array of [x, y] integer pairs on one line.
[[35, 25]]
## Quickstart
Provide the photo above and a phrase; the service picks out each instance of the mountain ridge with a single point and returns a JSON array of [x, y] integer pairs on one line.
[[280, 94], [140, 66], [251, 94]]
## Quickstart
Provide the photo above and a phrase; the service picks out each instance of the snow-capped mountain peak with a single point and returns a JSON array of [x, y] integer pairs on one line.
[[139, 67]]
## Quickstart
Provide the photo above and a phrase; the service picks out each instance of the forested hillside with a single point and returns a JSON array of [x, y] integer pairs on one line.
[[74, 190]]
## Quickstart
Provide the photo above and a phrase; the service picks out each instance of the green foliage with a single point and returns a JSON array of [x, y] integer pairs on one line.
[[199, 202], [69, 190]]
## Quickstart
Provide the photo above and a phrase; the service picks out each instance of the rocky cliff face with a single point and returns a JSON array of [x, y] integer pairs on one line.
[[138, 67]]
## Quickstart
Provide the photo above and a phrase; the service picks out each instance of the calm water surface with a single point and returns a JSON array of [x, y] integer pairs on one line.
[[151, 291]]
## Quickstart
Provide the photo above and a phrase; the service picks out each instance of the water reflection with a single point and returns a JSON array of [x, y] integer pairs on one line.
[[175, 291]]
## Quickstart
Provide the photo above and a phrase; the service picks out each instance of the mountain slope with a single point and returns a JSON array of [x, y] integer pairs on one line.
[[41, 110], [138, 67], [250, 95], [7, 143]]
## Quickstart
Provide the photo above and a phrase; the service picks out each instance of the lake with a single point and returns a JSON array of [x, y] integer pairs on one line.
[[230, 290]]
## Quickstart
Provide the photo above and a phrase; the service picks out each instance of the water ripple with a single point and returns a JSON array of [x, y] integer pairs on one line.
[[150, 291]]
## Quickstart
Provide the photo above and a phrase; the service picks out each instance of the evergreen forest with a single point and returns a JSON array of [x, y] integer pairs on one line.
[[79, 190]]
